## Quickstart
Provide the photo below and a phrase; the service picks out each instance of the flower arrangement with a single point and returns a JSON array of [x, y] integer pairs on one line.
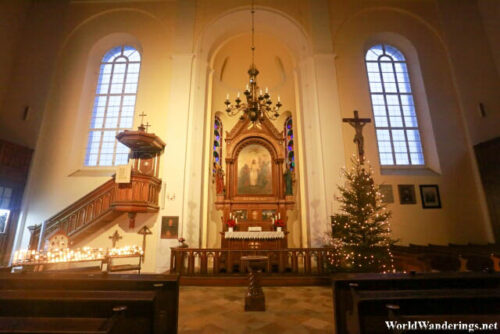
[[279, 223], [231, 223]]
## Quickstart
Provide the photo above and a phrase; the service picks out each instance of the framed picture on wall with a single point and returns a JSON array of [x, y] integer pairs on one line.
[[429, 193], [387, 193], [241, 215], [407, 194], [268, 214], [4, 219], [169, 227]]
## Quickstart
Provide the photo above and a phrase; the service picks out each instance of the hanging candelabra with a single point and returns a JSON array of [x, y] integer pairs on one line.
[[258, 104]]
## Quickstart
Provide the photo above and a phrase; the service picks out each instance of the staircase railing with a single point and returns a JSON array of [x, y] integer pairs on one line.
[[100, 206]]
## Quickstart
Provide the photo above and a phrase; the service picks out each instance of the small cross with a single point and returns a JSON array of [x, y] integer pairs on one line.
[[142, 115], [115, 237], [147, 126], [358, 123], [144, 231]]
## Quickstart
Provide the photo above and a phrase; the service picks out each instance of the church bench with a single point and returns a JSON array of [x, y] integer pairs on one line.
[[366, 301], [446, 258], [55, 325], [151, 301]]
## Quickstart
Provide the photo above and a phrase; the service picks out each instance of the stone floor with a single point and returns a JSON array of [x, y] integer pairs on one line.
[[288, 310]]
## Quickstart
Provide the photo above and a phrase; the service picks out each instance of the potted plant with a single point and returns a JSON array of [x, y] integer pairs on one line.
[[182, 243], [231, 223], [279, 224]]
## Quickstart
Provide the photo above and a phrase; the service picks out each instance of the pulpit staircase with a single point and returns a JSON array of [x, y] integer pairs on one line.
[[100, 207], [104, 204]]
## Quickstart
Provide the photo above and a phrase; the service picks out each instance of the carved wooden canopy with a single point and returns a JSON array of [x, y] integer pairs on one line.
[[255, 155]]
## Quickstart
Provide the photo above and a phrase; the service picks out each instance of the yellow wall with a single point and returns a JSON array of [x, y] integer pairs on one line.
[[51, 66]]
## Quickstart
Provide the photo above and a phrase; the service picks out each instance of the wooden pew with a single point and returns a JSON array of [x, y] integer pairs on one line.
[[112, 303], [363, 302], [420, 258]]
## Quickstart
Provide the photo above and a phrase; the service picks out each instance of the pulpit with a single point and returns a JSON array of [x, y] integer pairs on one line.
[[140, 194], [254, 196]]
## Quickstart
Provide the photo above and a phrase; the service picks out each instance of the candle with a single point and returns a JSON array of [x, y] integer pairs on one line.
[[279, 215], [227, 96], [267, 90], [247, 87], [238, 94], [278, 98]]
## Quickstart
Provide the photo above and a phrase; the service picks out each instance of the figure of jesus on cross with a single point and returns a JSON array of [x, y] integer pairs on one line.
[[358, 124]]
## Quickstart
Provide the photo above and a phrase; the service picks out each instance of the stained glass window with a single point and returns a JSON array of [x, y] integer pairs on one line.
[[289, 148], [396, 125], [217, 148], [114, 105]]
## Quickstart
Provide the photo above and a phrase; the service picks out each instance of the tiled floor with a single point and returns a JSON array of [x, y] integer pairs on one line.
[[290, 310]]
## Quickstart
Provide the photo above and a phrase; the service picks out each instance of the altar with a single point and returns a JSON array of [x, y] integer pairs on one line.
[[254, 240], [254, 189]]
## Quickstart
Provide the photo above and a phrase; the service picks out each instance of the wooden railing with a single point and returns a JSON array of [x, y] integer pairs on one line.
[[313, 261], [213, 261], [102, 205], [83, 213]]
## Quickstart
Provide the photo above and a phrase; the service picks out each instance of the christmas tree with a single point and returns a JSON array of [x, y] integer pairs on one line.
[[361, 232]]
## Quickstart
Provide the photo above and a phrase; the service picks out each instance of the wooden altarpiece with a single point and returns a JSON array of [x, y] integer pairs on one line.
[[255, 185]]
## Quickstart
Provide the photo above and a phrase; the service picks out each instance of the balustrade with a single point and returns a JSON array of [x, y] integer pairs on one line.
[[213, 261], [105, 203]]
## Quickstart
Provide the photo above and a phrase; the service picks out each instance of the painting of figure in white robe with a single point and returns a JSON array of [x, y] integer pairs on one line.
[[254, 171]]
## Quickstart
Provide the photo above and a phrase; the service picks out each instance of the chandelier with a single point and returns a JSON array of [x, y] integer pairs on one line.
[[258, 103]]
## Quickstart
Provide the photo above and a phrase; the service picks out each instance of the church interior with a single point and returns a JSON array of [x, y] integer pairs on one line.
[[249, 166]]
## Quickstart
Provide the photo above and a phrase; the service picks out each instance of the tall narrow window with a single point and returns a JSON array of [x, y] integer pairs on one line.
[[289, 149], [217, 149], [114, 106], [5, 199], [396, 123]]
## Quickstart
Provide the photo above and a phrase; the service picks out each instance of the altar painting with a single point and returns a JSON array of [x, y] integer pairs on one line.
[[254, 171]]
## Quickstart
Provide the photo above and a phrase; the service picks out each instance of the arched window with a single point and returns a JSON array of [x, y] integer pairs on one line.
[[289, 149], [114, 106], [396, 123], [217, 149]]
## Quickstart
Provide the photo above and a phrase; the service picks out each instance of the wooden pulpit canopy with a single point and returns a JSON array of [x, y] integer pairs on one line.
[[141, 141]]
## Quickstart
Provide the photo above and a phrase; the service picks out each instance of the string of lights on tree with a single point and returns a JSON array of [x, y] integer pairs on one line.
[[361, 234]]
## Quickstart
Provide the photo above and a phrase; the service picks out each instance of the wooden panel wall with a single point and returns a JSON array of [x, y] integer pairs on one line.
[[488, 159], [14, 166]]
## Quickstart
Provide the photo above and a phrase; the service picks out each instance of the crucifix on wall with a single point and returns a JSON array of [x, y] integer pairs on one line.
[[358, 124], [115, 238]]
